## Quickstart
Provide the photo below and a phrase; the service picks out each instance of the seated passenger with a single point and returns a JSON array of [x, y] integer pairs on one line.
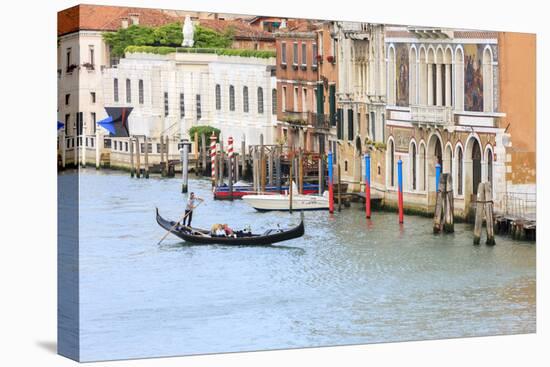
[[220, 232], [228, 231]]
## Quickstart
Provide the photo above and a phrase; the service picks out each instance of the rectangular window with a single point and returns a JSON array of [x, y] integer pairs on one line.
[[165, 104], [295, 100], [231, 98], [67, 99], [199, 108], [372, 123], [283, 53], [94, 122], [140, 88], [92, 96], [126, 146], [92, 55], [295, 54], [340, 124], [115, 90], [68, 60], [350, 125], [67, 120], [314, 54], [128, 91], [182, 105], [274, 101], [304, 100], [304, 54], [283, 102], [218, 97], [260, 100], [245, 99]]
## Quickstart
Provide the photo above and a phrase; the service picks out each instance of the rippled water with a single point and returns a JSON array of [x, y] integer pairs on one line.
[[345, 282]]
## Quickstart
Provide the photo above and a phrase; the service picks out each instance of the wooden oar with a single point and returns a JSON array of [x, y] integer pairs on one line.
[[182, 218]]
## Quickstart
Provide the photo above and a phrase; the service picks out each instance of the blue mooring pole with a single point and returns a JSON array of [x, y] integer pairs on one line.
[[330, 182], [367, 185], [400, 188], [437, 174]]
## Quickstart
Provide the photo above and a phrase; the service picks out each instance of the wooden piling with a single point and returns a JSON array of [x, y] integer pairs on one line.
[[270, 168], [439, 203], [243, 154], [448, 226], [339, 189], [290, 185], [204, 155], [489, 214], [278, 170], [167, 155], [138, 158], [301, 171], [262, 163], [132, 168], [320, 175], [162, 167], [230, 176], [184, 166], [146, 146], [480, 204]]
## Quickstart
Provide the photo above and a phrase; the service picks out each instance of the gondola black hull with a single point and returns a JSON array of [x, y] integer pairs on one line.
[[200, 236]]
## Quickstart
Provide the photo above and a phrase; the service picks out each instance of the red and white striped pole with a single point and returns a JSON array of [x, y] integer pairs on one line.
[[230, 165], [213, 157]]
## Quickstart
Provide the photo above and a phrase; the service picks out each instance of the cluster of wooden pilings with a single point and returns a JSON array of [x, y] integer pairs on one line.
[[484, 212], [444, 205], [135, 153]]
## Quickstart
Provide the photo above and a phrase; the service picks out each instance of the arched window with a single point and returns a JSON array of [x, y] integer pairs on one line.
[[487, 80], [274, 101], [459, 85], [422, 167], [218, 97], [245, 99], [459, 170], [231, 98], [413, 166], [412, 76], [260, 100], [392, 80]]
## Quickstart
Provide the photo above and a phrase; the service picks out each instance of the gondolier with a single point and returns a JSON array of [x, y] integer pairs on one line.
[[192, 203]]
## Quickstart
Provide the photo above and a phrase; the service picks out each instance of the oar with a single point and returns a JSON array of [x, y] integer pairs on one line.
[[182, 218]]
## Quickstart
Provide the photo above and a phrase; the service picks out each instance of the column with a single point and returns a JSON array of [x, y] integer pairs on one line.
[[429, 102], [439, 86], [448, 92]]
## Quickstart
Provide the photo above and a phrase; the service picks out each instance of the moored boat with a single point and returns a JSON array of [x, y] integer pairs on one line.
[[241, 238], [223, 193], [281, 202]]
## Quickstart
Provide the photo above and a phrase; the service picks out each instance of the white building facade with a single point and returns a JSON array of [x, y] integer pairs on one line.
[[172, 93]]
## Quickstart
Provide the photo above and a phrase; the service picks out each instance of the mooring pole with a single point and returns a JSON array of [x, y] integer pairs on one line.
[[437, 174], [184, 164], [230, 166], [138, 158], [330, 184], [213, 158], [400, 188], [131, 142], [339, 188], [290, 185], [367, 186], [146, 145]]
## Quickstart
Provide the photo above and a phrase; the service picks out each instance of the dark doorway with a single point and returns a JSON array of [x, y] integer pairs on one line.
[[438, 153], [476, 166]]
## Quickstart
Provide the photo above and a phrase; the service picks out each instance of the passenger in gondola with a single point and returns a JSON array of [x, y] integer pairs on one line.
[[228, 231]]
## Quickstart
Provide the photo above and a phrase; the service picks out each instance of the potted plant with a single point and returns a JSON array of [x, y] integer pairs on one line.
[[331, 59], [88, 66], [71, 68]]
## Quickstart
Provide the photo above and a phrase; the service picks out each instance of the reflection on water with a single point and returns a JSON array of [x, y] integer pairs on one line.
[[345, 281]]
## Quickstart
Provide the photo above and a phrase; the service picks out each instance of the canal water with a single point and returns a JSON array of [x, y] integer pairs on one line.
[[345, 281]]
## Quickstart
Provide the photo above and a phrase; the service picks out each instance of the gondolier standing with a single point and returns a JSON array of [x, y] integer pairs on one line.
[[191, 205]]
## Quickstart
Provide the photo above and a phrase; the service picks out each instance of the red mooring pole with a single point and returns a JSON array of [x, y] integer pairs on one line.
[[400, 187]]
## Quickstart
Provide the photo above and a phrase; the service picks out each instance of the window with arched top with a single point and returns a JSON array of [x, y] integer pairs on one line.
[[392, 80], [489, 160], [459, 74], [459, 170], [487, 80], [391, 163], [413, 166], [260, 100], [231, 98], [245, 99]]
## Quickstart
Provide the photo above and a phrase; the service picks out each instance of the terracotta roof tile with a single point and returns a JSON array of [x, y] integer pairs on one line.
[[242, 28], [106, 18]]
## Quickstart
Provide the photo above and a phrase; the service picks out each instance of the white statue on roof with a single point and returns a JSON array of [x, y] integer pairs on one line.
[[188, 32]]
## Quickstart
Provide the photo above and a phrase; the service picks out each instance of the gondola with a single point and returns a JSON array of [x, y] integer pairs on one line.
[[202, 236]]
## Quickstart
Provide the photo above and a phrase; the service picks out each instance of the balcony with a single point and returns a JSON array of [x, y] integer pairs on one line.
[[439, 115], [307, 119]]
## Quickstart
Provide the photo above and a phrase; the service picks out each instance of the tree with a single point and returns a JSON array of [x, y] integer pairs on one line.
[[203, 129], [166, 35]]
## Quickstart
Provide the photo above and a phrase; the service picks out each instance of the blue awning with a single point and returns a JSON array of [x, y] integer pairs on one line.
[[108, 124], [60, 125]]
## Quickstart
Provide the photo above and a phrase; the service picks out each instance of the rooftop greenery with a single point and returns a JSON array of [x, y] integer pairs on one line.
[[164, 50], [163, 37]]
